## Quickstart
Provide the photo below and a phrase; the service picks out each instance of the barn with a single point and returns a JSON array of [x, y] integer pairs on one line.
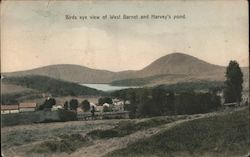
[[6, 109], [27, 107]]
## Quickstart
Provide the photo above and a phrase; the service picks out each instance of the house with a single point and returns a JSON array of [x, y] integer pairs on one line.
[[127, 102], [27, 107], [56, 107], [79, 109], [106, 105], [6, 109], [99, 108], [92, 105], [118, 106], [115, 100]]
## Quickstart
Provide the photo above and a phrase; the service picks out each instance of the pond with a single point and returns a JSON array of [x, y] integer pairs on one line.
[[107, 87]]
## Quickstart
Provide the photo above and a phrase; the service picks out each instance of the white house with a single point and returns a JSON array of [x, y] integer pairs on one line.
[[118, 106], [56, 107], [99, 108], [106, 105]]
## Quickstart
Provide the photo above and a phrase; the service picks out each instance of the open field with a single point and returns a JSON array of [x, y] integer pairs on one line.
[[146, 137], [11, 88]]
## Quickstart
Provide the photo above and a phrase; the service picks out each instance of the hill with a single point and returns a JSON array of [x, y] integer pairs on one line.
[[68, 72], [220, 135], [50, 85], [34, 86], [7, 88], [177, 67], [172, 68], [179, 63]]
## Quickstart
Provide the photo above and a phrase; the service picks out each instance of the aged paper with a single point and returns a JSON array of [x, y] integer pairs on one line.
[[124, 78]]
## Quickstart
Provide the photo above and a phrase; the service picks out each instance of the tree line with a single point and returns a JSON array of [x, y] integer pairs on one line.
[[73, 104], [147, 102]]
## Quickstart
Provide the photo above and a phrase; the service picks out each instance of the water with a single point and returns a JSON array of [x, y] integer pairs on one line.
[[107, 87]]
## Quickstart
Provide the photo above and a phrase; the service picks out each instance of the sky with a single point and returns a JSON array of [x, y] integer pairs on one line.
[[36, 33]]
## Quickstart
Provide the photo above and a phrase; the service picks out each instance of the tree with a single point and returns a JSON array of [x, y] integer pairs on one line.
[[48, 103], [132, 106], [85, 105], [73, 104], [66, 105], [170, 103], [104, 100], [145, 105], [233, 83], [146, 108], [159, 100]]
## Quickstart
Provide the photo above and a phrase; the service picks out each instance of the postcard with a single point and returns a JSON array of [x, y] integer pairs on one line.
[[112, 78]]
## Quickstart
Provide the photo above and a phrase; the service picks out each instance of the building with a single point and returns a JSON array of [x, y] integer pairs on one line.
[[27, 107], [106, 105], [79, 109], [99, 108], [7, 109], [56, 107], [118, 106]]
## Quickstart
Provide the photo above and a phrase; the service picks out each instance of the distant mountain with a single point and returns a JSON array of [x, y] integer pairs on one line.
[[178, 67], [172, 68], [179, 63], [68, 72]]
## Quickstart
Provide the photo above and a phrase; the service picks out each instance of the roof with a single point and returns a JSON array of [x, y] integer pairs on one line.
[[92, 104], [27, 105], [230, 104], [9, 107], [106, 104]]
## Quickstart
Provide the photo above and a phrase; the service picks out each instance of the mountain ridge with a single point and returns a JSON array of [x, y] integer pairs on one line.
[[175, 63]]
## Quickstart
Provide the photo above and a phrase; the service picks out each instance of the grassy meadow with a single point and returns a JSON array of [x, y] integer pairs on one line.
[[212, 134]]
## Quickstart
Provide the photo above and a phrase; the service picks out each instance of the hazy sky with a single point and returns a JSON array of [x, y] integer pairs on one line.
[[35, 34]]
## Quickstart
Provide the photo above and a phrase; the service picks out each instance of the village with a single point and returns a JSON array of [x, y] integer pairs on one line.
[[104, 108], [88, 111]]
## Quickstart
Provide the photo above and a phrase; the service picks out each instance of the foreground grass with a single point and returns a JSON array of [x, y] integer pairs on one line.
[[218, 135], [124, 128], [18, 137], [64, 143]]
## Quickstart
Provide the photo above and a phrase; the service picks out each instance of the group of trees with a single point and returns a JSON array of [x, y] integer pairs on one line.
[[158, 102], [73, 104], [48, 103], [191, 103], [104, 100]]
